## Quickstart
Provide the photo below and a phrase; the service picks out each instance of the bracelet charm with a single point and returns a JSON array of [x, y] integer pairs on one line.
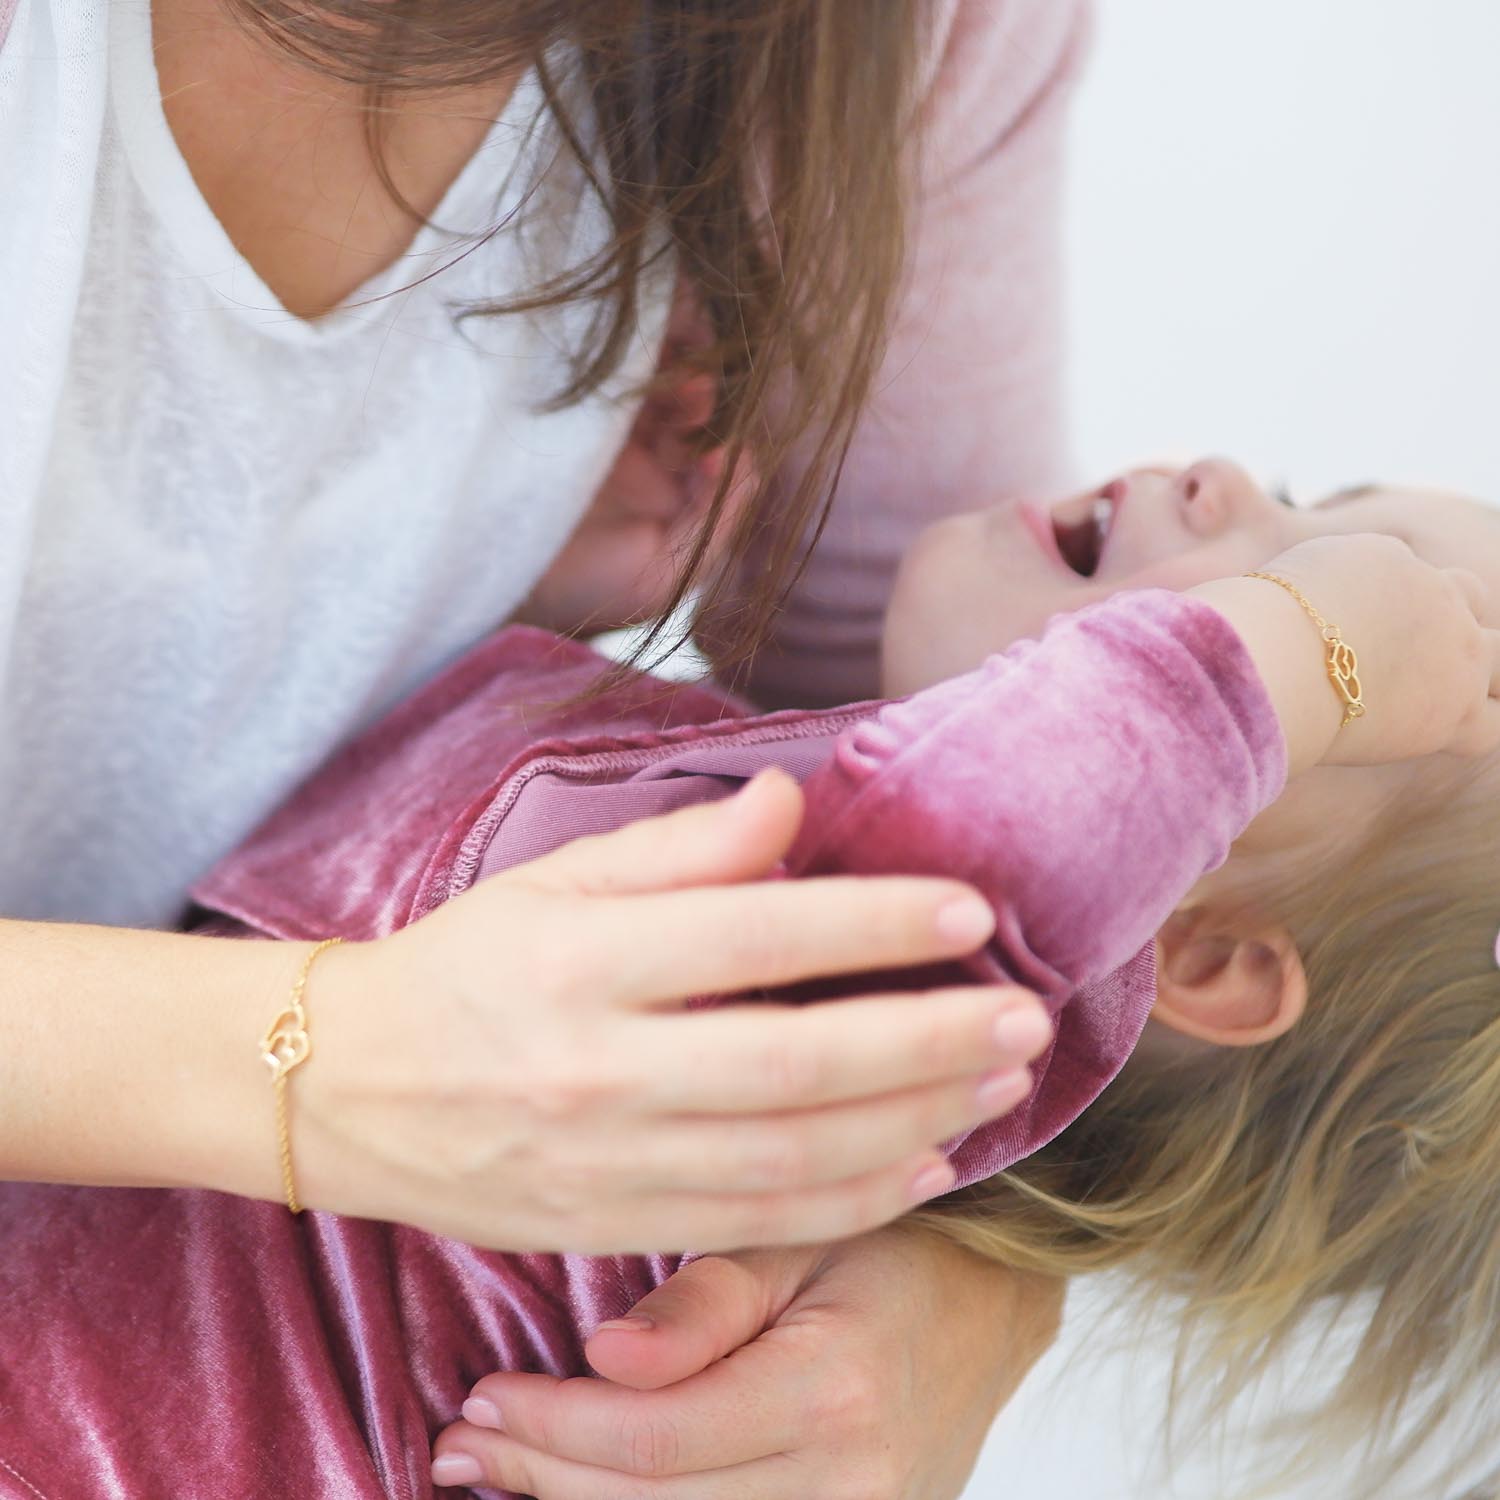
[[1342, 663], [286, 1045], [286, 1042], [1343, 670]]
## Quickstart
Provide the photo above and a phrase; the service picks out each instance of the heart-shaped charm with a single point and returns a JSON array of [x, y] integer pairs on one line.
[[1343, 668], [285, 1044]]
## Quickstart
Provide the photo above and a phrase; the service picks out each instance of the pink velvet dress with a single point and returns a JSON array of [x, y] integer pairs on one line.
[[174, 1343]]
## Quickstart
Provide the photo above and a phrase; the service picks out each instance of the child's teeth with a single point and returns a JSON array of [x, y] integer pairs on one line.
[[1104, 513]]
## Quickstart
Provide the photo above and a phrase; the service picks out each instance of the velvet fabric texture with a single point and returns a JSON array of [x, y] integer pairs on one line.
[[173, 1343]]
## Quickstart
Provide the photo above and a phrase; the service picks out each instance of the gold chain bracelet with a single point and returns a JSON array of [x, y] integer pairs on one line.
[[1342, 663], [285, 1045]]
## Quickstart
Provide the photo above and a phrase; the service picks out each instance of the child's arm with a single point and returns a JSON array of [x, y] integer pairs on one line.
[[1428, 664], [1086, 782], [1083, 783]]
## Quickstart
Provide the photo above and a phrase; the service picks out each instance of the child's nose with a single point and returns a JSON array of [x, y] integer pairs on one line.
[[1214, 494]]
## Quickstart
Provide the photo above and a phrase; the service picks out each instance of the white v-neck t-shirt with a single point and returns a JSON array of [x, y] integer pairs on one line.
[[229, 538]]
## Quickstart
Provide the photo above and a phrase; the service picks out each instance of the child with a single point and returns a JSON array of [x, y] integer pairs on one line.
[[1321, 1122], [1087, 783]]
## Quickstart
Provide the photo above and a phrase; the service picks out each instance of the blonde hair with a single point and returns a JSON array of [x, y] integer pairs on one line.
[[1354, 1161]]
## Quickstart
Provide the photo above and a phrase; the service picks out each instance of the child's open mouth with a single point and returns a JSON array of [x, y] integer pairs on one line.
[[1082, 527]]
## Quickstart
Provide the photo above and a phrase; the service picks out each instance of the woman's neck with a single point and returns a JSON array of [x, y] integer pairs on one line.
[[280, 154]]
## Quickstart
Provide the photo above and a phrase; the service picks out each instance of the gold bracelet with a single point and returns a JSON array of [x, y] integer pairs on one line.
[[1342, 663], [285, 1045]]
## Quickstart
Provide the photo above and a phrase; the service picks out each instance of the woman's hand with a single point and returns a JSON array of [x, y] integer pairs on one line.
[[517, 1069], [870, 1369], [1428, 663]]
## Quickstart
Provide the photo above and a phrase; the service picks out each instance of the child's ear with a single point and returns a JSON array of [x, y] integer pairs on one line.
[[1234, 981]]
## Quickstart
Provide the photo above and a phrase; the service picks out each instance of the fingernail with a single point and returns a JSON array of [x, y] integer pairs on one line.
[[483, 1412], [968, 921], [931, 1181], [999, 1091], [456, 1468], [1024, 1031], [635, 1323]]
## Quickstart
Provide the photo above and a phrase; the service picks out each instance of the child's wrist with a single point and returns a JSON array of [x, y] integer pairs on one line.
[[1288, 659]]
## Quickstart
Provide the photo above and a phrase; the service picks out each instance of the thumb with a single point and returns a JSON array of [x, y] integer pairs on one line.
[[736, 838], [708, 1309]]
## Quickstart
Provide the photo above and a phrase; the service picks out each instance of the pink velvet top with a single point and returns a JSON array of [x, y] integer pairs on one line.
[[163, 1343]]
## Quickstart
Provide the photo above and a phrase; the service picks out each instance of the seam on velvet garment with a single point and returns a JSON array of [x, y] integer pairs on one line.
[[438, 885], [10, 1469]]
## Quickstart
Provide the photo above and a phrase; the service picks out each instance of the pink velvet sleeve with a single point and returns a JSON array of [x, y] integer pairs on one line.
[[968, 408], [1084, 783]]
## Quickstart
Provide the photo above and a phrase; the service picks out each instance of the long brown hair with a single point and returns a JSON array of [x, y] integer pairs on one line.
[[1354, 1161], [764, 144]]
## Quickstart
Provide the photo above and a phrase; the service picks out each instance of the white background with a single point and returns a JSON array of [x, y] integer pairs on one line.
[[1284, 246], [1285, 237]]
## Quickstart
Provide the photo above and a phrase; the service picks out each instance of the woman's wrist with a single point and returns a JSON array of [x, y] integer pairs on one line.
[[132, 1058], [236, 1147], [986, 1300]]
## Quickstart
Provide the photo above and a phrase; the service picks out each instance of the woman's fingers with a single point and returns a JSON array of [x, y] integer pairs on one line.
[[707, 1429], [743, 1059], [469, 1455], [734, 1220], [725, 940], [686, 926], [813, 1147], [737, 838], [790, 1126], [702, 1313]]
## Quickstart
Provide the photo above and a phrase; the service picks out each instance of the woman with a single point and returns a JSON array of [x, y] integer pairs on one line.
[[252, 500]]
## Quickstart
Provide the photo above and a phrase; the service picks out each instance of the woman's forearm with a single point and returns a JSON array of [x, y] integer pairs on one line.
[[998, 1317], [129, 1058]]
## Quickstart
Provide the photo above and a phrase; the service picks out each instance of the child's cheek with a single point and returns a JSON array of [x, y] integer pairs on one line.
[[959, 598]]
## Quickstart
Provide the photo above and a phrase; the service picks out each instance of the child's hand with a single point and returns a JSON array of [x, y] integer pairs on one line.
[[1429, 659], [1429, 667]]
